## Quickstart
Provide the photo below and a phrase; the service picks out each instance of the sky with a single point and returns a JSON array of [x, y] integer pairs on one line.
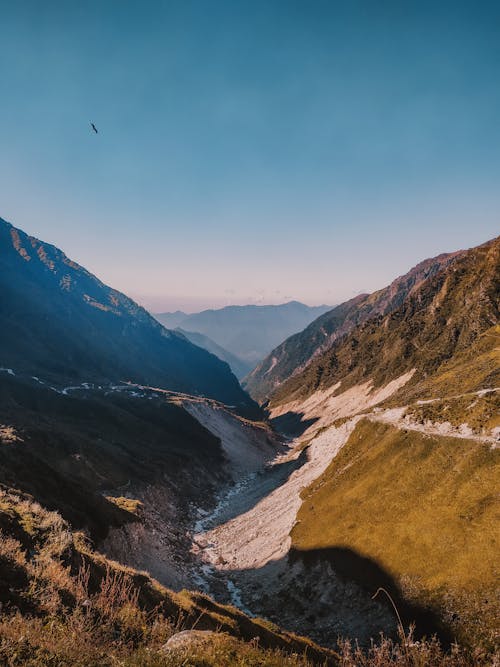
[[250, 151]]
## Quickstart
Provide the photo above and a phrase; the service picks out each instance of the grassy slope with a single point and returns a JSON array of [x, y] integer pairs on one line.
[[296, 352], [475, 367], [440, 319], [63, 604], [424, 508]]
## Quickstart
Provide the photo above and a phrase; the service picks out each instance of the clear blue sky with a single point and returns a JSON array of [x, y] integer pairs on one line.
[[254, 150]]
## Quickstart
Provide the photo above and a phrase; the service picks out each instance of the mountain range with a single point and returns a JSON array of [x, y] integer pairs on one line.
[[294, 353], [247, 332], [135, 468], [421, 321]]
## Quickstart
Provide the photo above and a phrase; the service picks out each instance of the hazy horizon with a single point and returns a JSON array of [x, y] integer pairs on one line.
[[194, 306], [250, 152]]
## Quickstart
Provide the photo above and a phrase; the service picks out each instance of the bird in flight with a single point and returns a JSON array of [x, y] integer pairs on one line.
[[94, 128]]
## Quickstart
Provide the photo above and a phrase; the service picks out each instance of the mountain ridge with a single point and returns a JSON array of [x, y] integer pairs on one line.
[[62, 323], [248, 332], [294, 354], [440, 315]]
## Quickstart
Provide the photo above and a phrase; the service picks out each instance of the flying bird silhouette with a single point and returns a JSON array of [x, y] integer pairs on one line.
[[94, 128]]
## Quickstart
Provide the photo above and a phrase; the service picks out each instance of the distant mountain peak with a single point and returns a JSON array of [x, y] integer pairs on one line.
[[250, 331]]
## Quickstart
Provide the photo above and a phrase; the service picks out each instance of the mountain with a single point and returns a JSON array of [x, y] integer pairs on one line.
[[446, 304], [65, 603], [386, 500], [239, 367], [172, 320], [61, 323], [293, 355], [249, 332], [403, 414]]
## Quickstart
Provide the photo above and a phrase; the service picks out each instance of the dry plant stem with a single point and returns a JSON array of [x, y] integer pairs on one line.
[[400, 623]]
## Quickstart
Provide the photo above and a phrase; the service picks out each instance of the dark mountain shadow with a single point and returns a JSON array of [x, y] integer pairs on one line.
[[326, 594], [62, 324], [370, 575], [247, 628], [292, 424], [73, 451]]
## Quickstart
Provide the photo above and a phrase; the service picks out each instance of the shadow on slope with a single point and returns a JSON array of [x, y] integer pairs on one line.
[[69, 452], [246, 497], [327, 594], [292, 424], [370, 576], [63, 603]]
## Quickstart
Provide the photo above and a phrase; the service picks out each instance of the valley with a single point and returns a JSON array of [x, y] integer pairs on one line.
[[250, 334], [365, 457], [248, 540]]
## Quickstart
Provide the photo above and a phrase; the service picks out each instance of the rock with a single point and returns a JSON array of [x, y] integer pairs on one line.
[[189, 639]]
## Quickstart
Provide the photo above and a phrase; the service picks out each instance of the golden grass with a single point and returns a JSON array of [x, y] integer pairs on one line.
[[69, 605], [475, 368], [424, 508], [131, 505], [480, 413]]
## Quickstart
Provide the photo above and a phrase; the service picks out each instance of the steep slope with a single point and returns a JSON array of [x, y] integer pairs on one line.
[[249, 332], [61, 323], [239, 367], [295, 353], [425, 509], [130, 465], [441, 317], [65, 604], [412, 491], [400, 424], [75, 451]]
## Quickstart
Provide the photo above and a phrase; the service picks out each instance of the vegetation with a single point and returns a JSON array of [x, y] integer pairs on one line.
[[469, 370], [64, 604], [425, 510], [412, 513], [294, 354], [480, 413], [78, 454], [439, 320]]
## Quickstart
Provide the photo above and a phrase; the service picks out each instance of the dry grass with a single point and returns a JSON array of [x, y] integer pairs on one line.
[[425, 509], [480, 413], [80, 642], [477, 367], [131, 505], [64, 604], [407, 652], [102, 614], [9, 435]]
